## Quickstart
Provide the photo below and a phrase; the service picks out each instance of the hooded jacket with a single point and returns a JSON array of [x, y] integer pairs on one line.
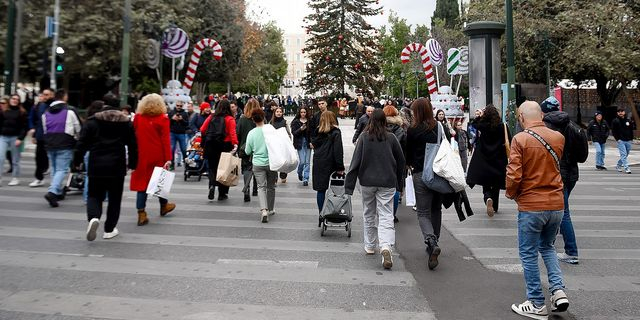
[[558, 121], [61, 126], [105, 135], [394, 125]]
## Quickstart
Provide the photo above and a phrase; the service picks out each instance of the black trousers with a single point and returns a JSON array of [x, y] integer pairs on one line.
[[98, 189], [42, 160], [492, 192], [212, 154]]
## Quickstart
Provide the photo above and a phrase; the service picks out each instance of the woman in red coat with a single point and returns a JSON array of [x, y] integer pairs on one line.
[[151, 125]]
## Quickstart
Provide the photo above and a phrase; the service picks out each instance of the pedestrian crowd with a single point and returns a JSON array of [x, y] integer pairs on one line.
[[537, 167]]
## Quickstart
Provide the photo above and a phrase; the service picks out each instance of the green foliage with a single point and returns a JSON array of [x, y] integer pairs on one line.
[[342, 46], [448, 12], [588, 40]]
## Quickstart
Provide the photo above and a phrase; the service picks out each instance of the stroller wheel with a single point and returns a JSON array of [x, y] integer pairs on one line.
[[349, 229], [199, 177], [186, 176], [323, 230]]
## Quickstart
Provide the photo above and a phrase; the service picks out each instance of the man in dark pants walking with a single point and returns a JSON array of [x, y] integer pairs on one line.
[[35, 124], [105, 135]]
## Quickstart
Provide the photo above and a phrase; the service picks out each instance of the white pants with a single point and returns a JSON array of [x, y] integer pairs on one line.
[[378, 203]]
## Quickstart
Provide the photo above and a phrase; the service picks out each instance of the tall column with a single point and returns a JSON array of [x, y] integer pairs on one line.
[[124, 66]]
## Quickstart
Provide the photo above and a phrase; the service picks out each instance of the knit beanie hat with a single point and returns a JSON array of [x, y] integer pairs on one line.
[[550, 104]]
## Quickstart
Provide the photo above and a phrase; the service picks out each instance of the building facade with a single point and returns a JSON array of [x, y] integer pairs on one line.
[[296, 64]]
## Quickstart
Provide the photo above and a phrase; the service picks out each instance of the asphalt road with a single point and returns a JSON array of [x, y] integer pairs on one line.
[[213, 260]]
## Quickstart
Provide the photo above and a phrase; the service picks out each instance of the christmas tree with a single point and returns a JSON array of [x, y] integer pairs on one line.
[[447, 11], [342, 46]]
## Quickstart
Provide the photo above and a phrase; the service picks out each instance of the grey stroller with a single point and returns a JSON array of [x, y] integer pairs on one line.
[[336, 211]]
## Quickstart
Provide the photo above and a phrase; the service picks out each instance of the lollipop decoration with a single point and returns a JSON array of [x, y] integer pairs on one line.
[[195, 59], [426, 63], [464, 60], [175, 43], [435, 52], [453, 61], [152, 53]]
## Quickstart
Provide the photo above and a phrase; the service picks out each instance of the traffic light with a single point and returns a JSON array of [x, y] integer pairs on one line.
[[59, 64]]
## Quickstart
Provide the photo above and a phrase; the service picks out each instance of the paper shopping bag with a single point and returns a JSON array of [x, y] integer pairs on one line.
[[160, 183], [228, 172]]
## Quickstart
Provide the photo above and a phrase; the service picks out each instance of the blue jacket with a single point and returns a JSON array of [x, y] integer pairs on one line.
[[35, 118]]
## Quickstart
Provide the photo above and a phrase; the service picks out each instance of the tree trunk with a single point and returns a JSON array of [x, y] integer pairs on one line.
[[608, 90]]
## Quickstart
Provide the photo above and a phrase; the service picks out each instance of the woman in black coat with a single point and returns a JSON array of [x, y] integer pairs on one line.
[[327, 155], [488, 165]]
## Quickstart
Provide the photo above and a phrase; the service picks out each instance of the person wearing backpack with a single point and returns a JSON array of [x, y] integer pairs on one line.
[[622, 129], [576, 149], [219, 132], [598, 130]]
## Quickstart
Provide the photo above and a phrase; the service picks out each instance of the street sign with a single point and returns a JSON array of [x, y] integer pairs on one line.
[[49, 27]]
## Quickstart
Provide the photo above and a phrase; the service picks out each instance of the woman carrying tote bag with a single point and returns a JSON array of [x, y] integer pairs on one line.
[[423, 130]]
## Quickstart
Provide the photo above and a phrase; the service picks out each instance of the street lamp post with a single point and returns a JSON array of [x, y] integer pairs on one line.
[[124, 66], [54, 44], [402, 76], [511, 69]]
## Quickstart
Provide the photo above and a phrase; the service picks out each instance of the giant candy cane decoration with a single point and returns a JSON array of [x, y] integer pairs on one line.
[[195, 59], [426, 63]]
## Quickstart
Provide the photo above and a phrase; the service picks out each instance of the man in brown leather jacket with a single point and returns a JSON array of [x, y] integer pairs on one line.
[[534, 182]]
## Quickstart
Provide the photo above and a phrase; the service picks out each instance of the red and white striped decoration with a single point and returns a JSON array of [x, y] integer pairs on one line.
[[426, 63], [195, 59]]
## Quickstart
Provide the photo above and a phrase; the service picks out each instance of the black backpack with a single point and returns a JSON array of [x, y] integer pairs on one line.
[[215, 131], [576, 143]]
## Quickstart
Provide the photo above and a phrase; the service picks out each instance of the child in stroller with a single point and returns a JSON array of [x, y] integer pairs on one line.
[[195, 165]]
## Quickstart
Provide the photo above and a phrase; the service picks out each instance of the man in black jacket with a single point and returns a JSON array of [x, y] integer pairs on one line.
[[315, 120], [622, 129], [178, 126], [558, 121], [35, 124], [362, 123], [109, 137], [598, 130]]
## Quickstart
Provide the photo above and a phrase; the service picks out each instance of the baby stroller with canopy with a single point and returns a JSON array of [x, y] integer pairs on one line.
[[195, 164], [336, 211]]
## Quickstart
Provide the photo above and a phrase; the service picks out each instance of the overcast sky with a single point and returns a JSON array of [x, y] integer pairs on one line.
[[289, 13]]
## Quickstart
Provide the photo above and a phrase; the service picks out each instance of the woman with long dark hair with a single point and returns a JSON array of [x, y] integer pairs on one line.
[[423, 130], [13, 129], [301, 139], [328, 155], [219, 132], [245, 125], [278, 121], [378, 163], [488, 165]]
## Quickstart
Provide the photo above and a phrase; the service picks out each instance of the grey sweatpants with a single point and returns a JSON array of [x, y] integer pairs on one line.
[[266, 180], [378, 202]]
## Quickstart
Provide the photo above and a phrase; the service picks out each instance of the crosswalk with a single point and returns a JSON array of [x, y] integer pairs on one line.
[[209, 260], [605, 210]]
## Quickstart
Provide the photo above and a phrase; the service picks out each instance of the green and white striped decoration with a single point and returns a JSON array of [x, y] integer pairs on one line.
[[453, 61]]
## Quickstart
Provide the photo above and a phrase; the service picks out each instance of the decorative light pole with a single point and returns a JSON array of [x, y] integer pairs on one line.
[[511, 68], [124, 66]]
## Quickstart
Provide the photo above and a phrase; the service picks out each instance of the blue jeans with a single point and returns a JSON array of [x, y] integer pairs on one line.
[[396, 202], [566, 227], [304, 156], [141, 200], [8, 143], [180, 139], [624, 147], [60, 162], [599, 153], [536, 234], [320, 199]]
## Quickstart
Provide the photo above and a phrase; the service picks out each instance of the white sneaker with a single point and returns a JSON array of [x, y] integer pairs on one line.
[[369, 251], [559, 301], [272, 212], [92, 228], [14, 182], [567, 258], [265, 216], [36, 183], [110, 235], [527, 309], [387, 260], [619, 168]]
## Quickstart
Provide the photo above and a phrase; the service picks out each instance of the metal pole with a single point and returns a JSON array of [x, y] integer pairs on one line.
[[54, 44], [511, 69], [16, 45], [124, 66], [8, 53]]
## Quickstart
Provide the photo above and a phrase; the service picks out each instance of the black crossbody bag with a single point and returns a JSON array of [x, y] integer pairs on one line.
[[546, 145]]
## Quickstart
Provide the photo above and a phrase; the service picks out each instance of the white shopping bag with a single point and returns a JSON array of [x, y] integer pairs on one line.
[[447, 164], [283, 157], [160, 183], [409, 191]]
